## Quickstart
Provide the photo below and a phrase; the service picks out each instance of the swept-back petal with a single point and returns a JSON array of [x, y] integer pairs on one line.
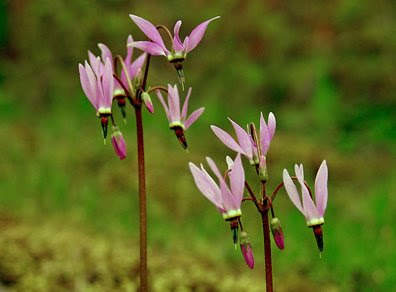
[[136, 65], [299, 170], [177, 44], [108, 83], [106, 53], [321, 188], [87, 87], [206, 185], [308, 205], [149, 47], [148, 29], [95, 62], [161, 98], [243, 139], [128, 58], [185, 105], [237, 180], [265, 138], [196, 35], [271, 125], [174, 103], [227, 139], [291, 191], [193, 117]]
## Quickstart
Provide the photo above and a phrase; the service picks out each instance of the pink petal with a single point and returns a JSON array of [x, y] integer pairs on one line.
[[243, 139], [106, 53], [185, 105], [149, 47], [308, 205], [196, 35], [193, 117], [177, 44], [237, 180], [160, 97], [86, 86], [265, 138], [136, 65], [227, 139], [299, 170], [148, 29], [108, 83], [128, 58], [174, 103], [291, 191], [95, 62], [271, 125], [321, 188], [206, 185]]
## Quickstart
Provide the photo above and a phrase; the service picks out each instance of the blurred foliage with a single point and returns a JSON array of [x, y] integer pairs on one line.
[[325, 68]]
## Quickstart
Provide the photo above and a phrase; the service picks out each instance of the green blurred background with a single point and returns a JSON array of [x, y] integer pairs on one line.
[[68, 205]]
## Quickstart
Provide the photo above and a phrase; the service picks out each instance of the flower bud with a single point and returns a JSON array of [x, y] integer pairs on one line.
[[262, 170], [147, 102], [277, 233], [246, 249], [118, 143]]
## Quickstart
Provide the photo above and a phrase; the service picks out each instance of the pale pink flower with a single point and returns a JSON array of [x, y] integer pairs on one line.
[[226, 198], [156, 45], [246, 144], [313, 214]]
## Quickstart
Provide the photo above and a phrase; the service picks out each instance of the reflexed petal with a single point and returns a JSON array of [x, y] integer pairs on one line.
[[148, 47], [128, 58], [193, 117], [148, 29], [265, 138], [95, 62], [206, 185], [174, 103], [308, 205], [86, 86], [108, 84], [291, 191], [243, 139], [136, 65], [214, 168], [237, 180], [160, 97], [185, 105], [321, 188], [271, 125], [227, 139], [196, 35], [299, 170], [106, 53], [177, 44]]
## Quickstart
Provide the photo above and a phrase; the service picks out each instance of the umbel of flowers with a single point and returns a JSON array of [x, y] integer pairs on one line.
[[254, 147], [107, 79]]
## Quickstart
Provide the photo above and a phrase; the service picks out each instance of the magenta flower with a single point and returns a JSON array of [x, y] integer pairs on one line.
[[118, 143], [313, 214], [277, 233], [98, 87], [246, 250], [246, 144], [226, 198], [156, 45], [178, 121]]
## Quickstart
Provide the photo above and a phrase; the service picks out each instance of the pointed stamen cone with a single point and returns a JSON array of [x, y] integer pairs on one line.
[[147, 102], [118, 142], [234, 229], [180, 136], [317, 230], [180, 73], [246, 250], [277, 233], [121, 105], [104, 121]]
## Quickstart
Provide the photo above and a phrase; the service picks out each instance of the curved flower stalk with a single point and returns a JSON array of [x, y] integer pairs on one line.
[[313, 214], [246, 144], [178, 121], [179, 49], [98, 86]]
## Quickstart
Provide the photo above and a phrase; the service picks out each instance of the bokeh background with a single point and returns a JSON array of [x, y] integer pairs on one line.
[[68, 205]]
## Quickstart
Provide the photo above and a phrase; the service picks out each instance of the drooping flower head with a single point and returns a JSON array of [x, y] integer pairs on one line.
[[246, 144], [98, 86], [179, 49], [178, 120], [313, 213]]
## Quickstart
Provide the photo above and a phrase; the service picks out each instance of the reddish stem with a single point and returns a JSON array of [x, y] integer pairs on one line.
[[267, 251]]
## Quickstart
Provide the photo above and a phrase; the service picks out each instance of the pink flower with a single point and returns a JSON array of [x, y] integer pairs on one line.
[[156, 45], [226, 198], [172, 109], [246, 250], [313, 214], [118, 143], [246, 145]]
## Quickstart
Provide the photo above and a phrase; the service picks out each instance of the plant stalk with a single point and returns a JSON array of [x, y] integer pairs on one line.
[[267, 251]]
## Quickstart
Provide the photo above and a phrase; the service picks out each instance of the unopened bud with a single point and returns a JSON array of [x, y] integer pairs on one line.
[[147, 102], [246, 249], [118, 143], [277, 233], [262, 170]]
